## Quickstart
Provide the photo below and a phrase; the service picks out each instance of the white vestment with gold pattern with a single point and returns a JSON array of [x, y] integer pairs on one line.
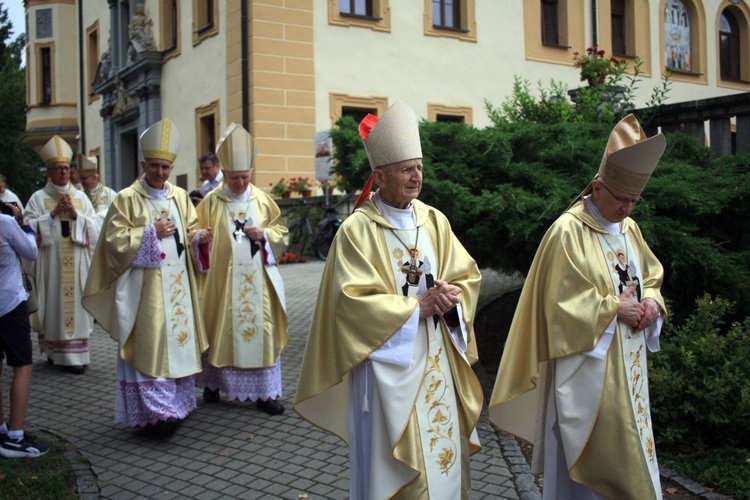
[[410, 374], [65, 249]]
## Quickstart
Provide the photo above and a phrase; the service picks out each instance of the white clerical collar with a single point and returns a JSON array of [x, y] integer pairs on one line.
[[99, 185], [609, 226], [402, 218], [60, 189], [237, 197], [157, 194]]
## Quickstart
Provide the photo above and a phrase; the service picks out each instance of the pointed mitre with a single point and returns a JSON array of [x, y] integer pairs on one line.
[[630, 157], [161, 140], [394, 136], [87, 165], [56, 151], [236, 149]]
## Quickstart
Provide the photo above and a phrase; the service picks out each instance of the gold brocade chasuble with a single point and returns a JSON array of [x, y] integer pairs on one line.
[[243, 300], [613, 453], [361, 304], [152, 312]]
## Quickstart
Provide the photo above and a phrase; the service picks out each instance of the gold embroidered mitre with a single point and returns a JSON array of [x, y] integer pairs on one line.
[[88, 165], [236, 149], [56, 151], [395, 137], [161, 140], [630, 157]]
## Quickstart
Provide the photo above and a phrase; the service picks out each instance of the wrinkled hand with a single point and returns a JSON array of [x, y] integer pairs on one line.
[[650, 313], [205, 235], [164, 228], [439, 299], [631, 311], [255, 233]]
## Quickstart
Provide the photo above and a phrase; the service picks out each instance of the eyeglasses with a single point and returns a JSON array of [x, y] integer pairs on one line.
[[622, 201], [60, 168]]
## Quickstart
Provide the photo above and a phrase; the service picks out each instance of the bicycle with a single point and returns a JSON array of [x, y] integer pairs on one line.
[[302, 229], [328, 227]]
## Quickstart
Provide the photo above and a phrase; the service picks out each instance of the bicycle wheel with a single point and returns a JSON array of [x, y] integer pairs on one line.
[[295, 233], [322, 248]]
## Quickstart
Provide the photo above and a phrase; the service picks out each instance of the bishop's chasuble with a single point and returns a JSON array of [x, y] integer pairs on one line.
[[150, 308], [410, 423], [242, 295], [573, 380], [65, 249], [101, 197]]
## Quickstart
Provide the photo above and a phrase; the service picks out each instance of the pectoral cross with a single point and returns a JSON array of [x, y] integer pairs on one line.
[[411, 269], [239, 230]]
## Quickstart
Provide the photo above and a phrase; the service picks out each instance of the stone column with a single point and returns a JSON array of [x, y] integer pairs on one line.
[[696, 129], [721, 136], [742, 134]]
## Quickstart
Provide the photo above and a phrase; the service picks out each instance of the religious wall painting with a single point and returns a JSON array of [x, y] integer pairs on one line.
[[676, 36]]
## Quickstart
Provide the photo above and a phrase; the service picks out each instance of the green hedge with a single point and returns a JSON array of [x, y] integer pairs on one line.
[[700, 398]]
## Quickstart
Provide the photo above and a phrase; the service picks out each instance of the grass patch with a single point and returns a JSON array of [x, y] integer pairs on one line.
[[50, 476], [724, 470]]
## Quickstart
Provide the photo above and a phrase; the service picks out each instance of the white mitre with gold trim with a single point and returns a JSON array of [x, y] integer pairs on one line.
[[88, 165], [56, 151], [394, 137], [236, 149], [630, 157], [161, 141]]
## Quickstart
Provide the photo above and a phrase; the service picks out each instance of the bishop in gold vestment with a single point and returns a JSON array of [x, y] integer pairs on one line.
[[387, 366], [573, 378], [242, 294], [142, 288]]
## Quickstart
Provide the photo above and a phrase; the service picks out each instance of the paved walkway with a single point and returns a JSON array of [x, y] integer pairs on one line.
[[228, 450]]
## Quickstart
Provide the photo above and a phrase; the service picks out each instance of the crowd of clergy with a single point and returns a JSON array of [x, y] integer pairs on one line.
[[191, 293], [189, 288]]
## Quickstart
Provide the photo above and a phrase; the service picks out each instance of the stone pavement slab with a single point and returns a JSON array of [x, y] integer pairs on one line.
[[229, 449]]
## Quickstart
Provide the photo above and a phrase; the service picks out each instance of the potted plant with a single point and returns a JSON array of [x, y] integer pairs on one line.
[[280, 189], [300, 185], [595, 66]]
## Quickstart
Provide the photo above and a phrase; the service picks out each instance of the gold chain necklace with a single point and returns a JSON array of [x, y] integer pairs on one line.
[[411, 269]]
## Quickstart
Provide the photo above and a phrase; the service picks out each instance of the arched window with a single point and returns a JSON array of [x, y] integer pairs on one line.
[[677, 36], [619, 27], [729, 46]]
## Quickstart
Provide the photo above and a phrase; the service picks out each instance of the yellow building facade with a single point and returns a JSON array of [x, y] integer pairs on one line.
[[99, 73]]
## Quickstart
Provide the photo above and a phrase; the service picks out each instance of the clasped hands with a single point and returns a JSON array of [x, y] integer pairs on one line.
[[64, 204], [167, 227], [439, 299], [255, 233], [637, 315]]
